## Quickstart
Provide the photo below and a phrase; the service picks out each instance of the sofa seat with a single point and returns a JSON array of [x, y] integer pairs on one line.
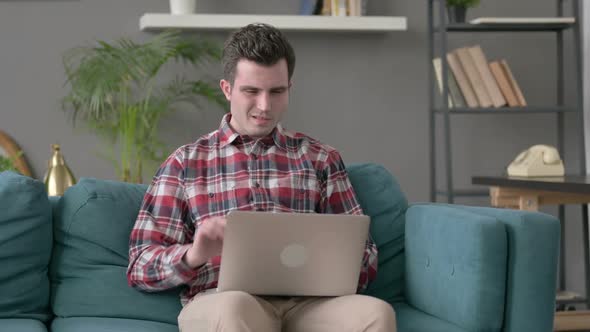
[[22, 325], [410, 319], [97, 324]]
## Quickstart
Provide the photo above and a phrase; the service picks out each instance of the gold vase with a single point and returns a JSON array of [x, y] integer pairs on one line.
[[59, 176]]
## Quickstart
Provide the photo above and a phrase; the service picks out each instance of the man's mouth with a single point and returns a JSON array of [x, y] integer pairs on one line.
[[261, 118]]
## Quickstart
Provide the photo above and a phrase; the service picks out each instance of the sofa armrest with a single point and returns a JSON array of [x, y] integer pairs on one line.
[[456, 266], [533, 251], [482, 268]]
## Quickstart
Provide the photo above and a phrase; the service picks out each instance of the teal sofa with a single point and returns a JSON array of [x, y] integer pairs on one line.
[[443, 267]]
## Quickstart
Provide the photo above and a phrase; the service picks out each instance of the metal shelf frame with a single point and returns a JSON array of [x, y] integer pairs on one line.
[[443, 30]]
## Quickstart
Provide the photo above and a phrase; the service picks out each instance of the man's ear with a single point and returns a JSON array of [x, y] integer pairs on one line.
[[226, 89]]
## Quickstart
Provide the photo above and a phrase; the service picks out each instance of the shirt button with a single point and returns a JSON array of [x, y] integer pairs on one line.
[[257, 185], [211, 195], [254, 157]]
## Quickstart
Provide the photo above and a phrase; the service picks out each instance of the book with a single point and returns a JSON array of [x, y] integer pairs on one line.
[[354, 7], [462, 81], [522, 20], [437, 63], [454, 91], [310, 7], [327, 8], [504, 84], [513, 84], [339, 7], [481, 63], [466, 61], [455, 97]]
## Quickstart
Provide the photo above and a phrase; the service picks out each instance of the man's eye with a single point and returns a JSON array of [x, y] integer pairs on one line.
[[250, 92], [276, 92]]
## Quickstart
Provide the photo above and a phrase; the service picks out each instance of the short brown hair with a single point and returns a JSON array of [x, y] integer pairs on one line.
[[261, 43]]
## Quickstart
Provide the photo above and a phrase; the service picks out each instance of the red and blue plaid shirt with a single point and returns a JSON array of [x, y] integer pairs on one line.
[[223, 171]]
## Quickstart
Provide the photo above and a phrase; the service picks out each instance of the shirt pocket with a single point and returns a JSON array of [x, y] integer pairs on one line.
[[210, 200], [296, 192]]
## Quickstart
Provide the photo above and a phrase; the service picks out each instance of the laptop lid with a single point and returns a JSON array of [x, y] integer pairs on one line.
[[297, 254]]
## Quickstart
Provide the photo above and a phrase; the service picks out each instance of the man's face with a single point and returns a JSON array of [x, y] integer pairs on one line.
[[258, 97]]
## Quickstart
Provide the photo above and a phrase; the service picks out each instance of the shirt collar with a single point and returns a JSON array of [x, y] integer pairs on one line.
[[227, 135]]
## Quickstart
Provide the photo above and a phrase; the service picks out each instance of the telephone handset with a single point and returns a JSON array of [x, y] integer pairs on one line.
[[538, 160]]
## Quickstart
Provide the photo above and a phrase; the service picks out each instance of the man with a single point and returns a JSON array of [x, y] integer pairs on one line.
[[249, 163]]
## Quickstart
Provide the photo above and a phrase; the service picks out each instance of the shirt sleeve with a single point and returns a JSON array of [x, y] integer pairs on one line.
[[159, 238], [339, 197]]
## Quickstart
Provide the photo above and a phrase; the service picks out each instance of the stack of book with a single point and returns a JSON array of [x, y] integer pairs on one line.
[[474, 82], [334, 7]]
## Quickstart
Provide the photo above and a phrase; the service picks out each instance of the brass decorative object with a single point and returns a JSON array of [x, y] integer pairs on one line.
[[59, 176]]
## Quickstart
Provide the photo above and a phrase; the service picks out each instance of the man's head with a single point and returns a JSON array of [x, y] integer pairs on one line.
[[258, 64]]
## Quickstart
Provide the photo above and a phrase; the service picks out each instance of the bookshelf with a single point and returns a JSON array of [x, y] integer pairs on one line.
[[159, 21], [438, 34], [443, 31]]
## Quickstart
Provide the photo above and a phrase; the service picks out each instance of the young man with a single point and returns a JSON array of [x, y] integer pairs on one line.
[[249, 163]]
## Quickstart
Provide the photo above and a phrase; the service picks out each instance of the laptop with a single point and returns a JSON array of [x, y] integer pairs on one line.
[[292, 254]]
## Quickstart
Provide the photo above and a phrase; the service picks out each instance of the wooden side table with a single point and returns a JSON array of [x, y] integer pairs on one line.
[[526, 193]]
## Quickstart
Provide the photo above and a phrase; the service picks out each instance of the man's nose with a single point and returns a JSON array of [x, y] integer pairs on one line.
[[264, 102]]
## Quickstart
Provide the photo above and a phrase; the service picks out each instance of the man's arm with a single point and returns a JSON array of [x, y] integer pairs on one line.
[[159, 240], [339, 197]]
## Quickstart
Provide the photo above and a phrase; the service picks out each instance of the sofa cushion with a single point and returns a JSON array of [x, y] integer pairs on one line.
[[456, 266], [94, 324], [25, 247], [410, 319], [22, 325], [88, 269], [382, 199]]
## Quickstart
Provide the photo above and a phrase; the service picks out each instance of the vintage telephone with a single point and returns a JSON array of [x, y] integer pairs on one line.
[[538, 160]]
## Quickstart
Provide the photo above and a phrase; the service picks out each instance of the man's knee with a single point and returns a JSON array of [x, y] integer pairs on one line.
[[225, 311], [235, 303], [378, 311]]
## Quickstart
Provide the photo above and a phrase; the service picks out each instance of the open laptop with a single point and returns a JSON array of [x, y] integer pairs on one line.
[[296, 254]]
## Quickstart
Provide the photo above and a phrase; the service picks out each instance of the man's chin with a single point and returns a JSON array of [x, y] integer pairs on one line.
[[259, 132]]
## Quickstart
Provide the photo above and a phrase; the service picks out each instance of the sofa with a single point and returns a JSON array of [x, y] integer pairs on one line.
[[442, 267]]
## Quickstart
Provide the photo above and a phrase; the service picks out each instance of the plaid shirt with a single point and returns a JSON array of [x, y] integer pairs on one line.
[[223, 171]]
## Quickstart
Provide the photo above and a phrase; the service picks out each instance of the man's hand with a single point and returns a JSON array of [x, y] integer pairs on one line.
[[207, 243]]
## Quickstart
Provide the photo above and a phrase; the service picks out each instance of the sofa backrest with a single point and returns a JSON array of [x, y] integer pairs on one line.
[[92, 223], [93, 220], [383, 200], [25, 247]]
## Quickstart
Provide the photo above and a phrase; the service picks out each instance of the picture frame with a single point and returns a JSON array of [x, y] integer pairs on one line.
[[9, 149]]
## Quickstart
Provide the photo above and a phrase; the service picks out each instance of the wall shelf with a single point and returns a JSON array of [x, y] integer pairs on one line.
[[155, 22]]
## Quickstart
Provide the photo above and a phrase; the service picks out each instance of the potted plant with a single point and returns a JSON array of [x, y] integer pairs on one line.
[[113, 88], [182, 7], [457, 9]]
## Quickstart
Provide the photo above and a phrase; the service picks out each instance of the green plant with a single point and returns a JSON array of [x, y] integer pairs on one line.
[[462, 3], [8, 163], [113, 90]]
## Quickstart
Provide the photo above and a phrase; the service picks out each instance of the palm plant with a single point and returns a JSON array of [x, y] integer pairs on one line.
[[113, 90]]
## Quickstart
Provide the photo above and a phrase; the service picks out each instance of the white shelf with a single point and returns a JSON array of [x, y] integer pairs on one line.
[[154, 22]]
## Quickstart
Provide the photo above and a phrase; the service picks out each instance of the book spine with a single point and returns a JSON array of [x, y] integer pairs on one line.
[[462, 80], [504, 84], [474, 77], [481, 63], [437, 63], [513, 83]]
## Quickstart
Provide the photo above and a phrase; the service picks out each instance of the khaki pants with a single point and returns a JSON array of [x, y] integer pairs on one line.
[[242, 312]]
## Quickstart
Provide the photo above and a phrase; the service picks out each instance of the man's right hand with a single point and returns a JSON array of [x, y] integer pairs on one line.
[[207, 242]]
